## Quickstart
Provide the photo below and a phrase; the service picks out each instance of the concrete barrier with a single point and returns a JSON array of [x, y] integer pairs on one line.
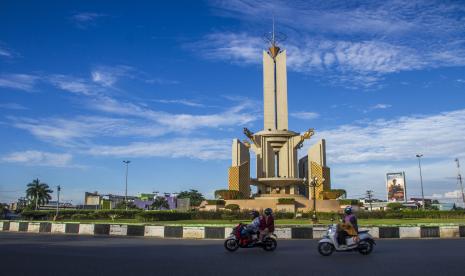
[[389, 232], [429, 231], [319, 232], [154, 231], [118, 230], [33, 227], [373, 231], [191, 232], [135, 230], [227, 231], [218, 232], [58, 228], [449, 232], [214, 232], [283, 233], [302, 233], [14, 226], [102, 229], [86, 229], [45, 227], [409, 232]]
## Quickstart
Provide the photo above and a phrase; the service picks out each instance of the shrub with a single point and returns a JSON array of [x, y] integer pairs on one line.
[[215, 202], [348, 202], [229, 194], [395, 206], [163, 215], [286, 200], [79, 217], [232, 207]]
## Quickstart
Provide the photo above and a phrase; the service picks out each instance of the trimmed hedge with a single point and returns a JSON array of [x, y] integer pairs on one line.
[[215, 202], [163, 216], [286, 200], [232, 207], [78, 214], [229, 194]]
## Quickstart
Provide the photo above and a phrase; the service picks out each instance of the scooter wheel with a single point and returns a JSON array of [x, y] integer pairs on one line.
[[365, 247], [231, 245], [325, 248]]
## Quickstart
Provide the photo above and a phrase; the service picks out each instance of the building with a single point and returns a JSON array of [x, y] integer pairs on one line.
[[275, 148]]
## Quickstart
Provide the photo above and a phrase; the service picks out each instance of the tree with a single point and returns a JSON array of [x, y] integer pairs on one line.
[[122, 205], [38, 193], [395, 206], [195, 197], [160, 203]]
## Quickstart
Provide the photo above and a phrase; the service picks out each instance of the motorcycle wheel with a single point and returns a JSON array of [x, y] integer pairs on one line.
[[269, 244], [365, 247], [231, 245], [325, 248]]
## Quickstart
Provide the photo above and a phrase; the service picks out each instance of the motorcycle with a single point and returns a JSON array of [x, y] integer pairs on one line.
[[236, 239], [363, 243]]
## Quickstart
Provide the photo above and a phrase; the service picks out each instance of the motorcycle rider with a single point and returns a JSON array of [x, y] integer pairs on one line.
[[266, 223], [253, 227], [349, 226]]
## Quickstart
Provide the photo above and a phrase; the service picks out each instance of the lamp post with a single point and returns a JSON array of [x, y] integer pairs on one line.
[[419, 156], [126, 190], [314, 184], [58, 200]]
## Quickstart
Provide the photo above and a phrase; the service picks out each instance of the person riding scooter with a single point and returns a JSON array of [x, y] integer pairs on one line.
[[349, 226], [253, 227], [266, 223]]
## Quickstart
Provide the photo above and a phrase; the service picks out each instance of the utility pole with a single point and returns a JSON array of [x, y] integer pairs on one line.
[[58, 200], [369, 197], [126, 190], [419, 156], [459, 179]]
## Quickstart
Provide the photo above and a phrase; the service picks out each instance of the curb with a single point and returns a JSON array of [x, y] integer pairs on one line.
[[217, 232]]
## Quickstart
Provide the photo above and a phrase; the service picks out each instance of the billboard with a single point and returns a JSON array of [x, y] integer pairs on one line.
[[396, 189]]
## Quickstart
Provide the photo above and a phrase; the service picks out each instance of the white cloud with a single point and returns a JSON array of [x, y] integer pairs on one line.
[[373, 40], [195, 148], [86, 19], [377, 106], [305, 115], [180, 101], [39, 158], [5, 53], [107, 76], [74, 85], [18, 81], [436, 136], [14, 106]]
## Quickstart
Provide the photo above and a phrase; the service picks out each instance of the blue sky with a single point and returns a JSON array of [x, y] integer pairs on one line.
[[87, 84]]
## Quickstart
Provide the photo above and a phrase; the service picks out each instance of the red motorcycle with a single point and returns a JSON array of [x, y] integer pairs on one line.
[[237, 239]]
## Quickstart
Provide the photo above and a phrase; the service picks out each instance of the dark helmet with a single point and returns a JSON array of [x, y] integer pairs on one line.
[[254, 214], [268, 211], [348, 210]]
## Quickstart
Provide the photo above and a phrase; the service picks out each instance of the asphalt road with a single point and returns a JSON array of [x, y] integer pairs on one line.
[[45, 254]]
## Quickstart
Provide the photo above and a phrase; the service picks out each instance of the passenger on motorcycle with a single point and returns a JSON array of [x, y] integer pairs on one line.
[[266, 223], [253, 227], [349, 226]]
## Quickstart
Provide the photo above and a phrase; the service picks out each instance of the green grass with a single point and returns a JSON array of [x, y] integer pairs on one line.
[[284, 222]]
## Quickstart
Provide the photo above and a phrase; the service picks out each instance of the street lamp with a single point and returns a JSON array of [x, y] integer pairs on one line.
[[314, 184], [58, 201], [126, 190], [419, 156]]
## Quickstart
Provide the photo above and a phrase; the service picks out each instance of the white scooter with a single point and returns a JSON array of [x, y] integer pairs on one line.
[[328, 244]]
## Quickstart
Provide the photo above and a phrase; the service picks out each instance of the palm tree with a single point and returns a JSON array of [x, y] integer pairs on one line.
[[38, 192]]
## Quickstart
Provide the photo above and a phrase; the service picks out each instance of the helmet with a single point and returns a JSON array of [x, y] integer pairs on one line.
[[348, 210], [254, 214], [268, 211]]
